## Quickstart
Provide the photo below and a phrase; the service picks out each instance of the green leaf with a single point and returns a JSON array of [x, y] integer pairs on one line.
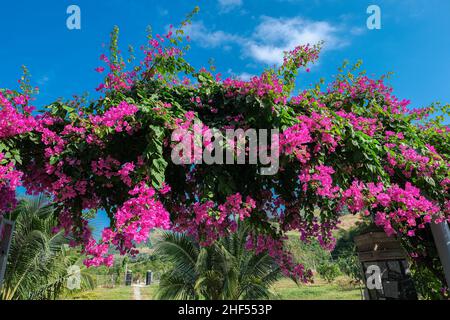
[[154, 152]]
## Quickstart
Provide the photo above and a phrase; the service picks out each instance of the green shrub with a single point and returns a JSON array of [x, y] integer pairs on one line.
[[329, 271]]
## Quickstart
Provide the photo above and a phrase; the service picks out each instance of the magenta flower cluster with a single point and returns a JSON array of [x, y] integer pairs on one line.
[[352, 146]]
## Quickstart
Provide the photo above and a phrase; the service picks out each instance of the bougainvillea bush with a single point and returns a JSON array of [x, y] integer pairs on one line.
[[350, 146]]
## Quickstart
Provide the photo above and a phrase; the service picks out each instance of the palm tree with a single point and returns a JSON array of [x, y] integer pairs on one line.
[[223, 271], [38, 258]]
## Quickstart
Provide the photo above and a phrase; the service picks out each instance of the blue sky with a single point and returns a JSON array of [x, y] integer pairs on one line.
[[242, 36]]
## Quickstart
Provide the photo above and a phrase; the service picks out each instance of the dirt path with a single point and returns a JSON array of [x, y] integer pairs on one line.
[[137, 292]]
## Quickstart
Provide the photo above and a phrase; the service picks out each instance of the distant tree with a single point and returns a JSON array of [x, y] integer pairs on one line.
[[329, 271]]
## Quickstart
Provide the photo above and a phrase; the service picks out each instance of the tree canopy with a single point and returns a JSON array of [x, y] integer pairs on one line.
[[348, 146]]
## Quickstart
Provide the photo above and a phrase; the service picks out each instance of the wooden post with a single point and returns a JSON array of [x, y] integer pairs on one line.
[[128, 278], [377, 251], [126, 272], [149, 278]]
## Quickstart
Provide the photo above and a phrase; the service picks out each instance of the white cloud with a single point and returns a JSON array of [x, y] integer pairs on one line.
[[357, 31], [245, 76], [228, 5], [162, 11], [199, 33], [272, 37], [43, 80], [265, 53]]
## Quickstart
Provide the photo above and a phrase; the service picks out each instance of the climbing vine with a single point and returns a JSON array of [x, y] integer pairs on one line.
[[350, 146]]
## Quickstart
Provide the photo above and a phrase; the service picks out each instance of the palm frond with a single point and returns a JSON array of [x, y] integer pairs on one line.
[[37, 261], [224, 270]]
